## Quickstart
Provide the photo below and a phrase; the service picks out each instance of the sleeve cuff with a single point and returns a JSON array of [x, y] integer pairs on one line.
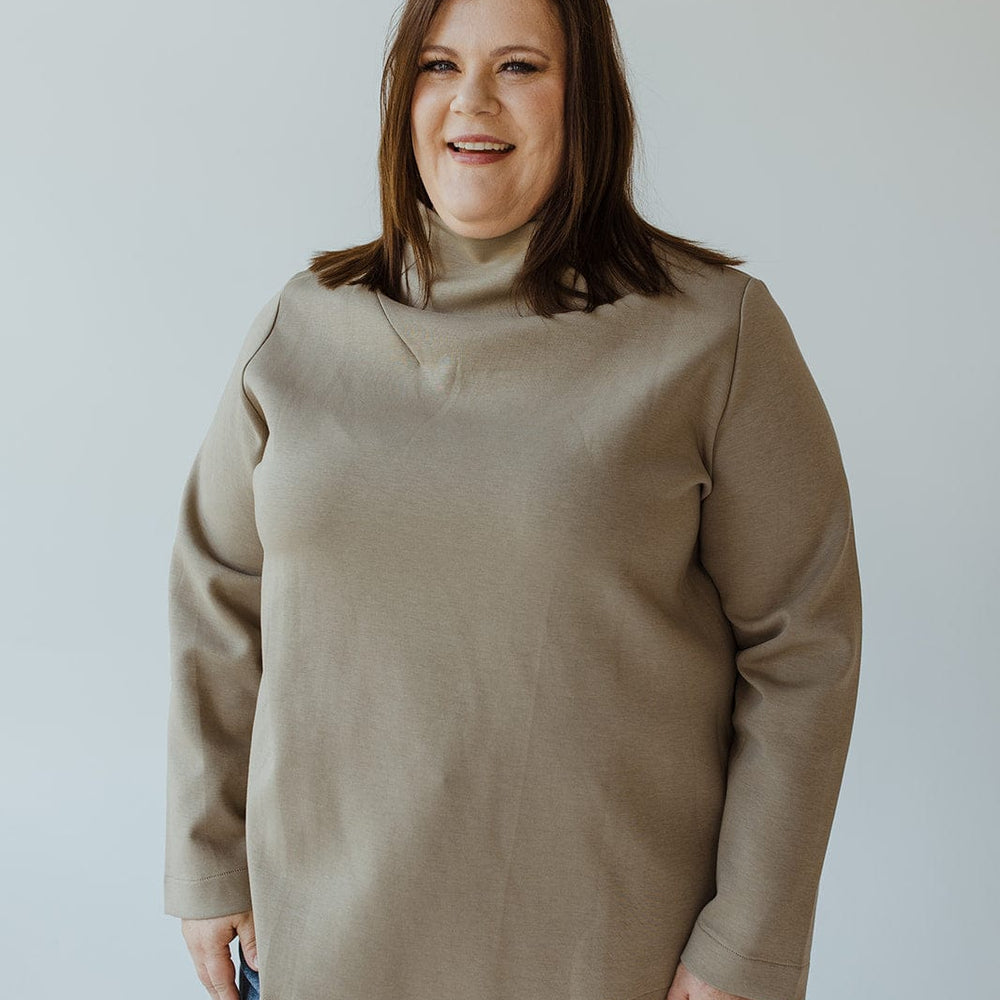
[[213, 896], [727, 970]]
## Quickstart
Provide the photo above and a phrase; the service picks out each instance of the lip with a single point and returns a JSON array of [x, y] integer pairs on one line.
[[479, 158], [478, 137]]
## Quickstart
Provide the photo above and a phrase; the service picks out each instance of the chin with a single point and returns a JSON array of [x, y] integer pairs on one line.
[[475, 216]]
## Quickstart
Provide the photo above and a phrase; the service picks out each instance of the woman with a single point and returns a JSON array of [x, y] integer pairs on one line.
[[515, 613]]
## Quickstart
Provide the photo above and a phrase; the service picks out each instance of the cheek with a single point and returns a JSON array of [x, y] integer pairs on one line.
[[545, 113], [422, 122]]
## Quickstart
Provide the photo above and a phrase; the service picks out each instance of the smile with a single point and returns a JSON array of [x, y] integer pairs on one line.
[[481, 147], [479, 153]]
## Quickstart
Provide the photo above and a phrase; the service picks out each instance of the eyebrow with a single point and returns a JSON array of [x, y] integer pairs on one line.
[[502, 51]]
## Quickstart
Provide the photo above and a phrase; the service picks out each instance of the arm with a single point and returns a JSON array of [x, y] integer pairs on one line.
[[215, 655], [777, 537]]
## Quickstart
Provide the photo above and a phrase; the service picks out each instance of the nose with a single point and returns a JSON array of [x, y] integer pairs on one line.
[[475, 95]]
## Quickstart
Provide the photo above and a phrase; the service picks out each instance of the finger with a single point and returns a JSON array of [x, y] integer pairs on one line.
[[248, 942], [217, 974], [249, 948], [681, 986]]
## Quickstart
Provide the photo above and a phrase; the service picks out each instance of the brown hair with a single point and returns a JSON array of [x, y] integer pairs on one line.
[[588, 224]]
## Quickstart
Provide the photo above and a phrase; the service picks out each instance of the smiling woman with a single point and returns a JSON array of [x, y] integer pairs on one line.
[[547, 77], [507, 97], [514, 650]]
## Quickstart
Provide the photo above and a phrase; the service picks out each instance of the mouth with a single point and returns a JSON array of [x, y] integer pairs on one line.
[[479, 150], [481, 147]]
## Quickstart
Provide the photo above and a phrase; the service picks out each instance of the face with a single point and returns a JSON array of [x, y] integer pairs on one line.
[[491, 71]]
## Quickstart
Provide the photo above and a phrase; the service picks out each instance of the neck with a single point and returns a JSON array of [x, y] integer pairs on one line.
[[470, 274]]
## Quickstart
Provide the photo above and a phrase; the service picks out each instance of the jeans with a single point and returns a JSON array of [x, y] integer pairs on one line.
[[249, 980]]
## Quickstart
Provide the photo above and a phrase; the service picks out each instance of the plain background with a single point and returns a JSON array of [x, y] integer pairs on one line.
[[168, 167]]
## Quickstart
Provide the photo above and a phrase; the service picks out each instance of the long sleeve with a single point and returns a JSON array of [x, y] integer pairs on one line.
[[777, 538], [215, 654]]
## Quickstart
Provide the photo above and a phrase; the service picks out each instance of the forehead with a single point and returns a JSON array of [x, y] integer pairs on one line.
[[471, 24]]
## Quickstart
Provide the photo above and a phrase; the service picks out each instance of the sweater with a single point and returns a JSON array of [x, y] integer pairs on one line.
[[512, 657]]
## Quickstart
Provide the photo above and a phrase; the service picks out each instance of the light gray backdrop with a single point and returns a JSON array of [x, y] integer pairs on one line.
[[168, 166]]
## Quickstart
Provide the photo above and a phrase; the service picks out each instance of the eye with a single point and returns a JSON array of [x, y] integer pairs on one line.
[[437, 66], [520, 66]]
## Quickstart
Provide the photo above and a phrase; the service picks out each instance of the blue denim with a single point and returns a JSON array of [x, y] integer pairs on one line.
[[249, 980]]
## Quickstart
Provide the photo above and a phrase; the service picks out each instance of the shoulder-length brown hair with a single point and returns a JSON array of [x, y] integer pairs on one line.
[[589, 224]]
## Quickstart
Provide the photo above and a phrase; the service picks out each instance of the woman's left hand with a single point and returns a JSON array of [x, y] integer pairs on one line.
[[687, 986]]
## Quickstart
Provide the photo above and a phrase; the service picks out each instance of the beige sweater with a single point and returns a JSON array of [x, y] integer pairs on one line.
[[513, 658]]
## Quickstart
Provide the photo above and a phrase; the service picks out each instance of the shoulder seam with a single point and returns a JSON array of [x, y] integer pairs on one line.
[[264, 339], [732, 371]]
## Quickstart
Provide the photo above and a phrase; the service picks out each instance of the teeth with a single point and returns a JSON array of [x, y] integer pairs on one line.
[[497, 146]]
